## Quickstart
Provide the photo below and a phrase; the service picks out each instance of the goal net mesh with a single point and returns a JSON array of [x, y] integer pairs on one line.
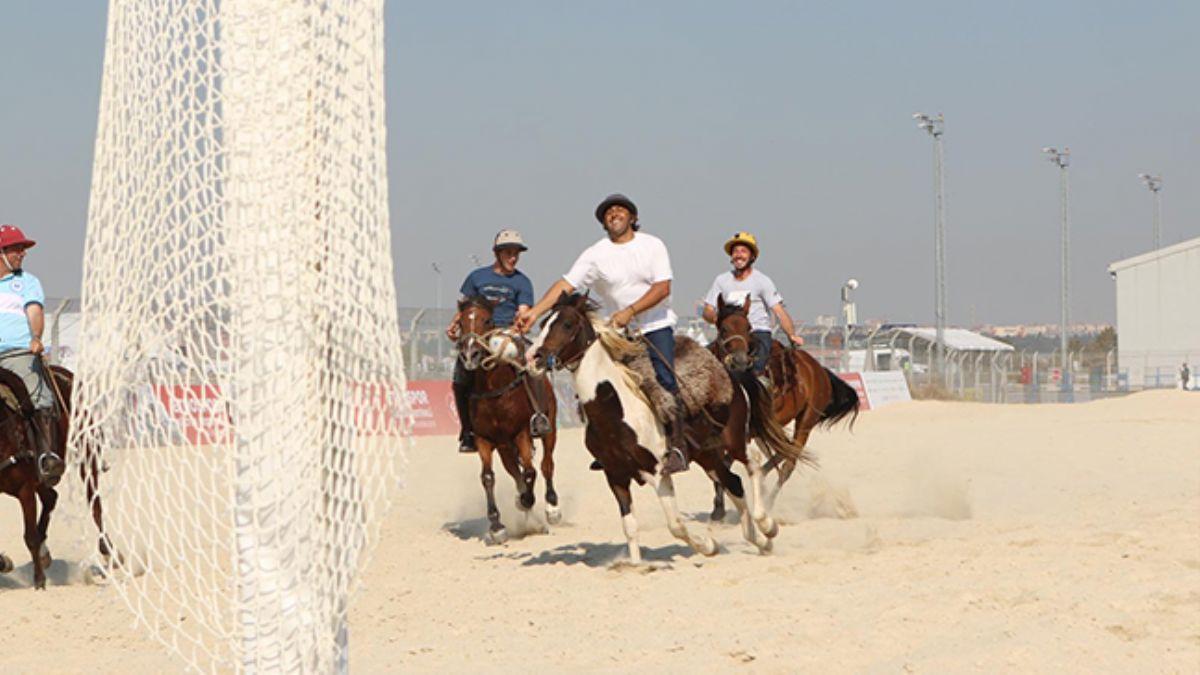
[[239, 371]]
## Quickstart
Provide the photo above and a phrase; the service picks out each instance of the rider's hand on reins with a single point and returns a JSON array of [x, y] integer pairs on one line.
[[797, 341], [36, 346], [622, 318]]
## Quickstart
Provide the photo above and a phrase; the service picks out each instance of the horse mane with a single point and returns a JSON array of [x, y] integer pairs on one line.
[[619, 348], [476, 300], [725, 309]]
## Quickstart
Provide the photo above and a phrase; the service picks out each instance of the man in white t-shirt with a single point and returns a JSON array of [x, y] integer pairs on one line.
[[631, 274], [742, 282]]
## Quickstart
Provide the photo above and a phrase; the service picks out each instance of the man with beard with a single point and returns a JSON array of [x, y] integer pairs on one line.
[[631, 273], [744, 281]]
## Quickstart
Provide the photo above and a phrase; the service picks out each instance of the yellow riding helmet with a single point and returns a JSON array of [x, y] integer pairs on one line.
[[745, 239]]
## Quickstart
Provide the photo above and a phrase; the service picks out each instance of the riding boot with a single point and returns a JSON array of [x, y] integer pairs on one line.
[[50, 465], [676, 459], [539, 423], [462, 401]]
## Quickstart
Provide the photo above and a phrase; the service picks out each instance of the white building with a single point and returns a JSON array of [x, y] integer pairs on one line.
[[1158, 314]]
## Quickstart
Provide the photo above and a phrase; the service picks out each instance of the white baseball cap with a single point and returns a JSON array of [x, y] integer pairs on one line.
[[509, 239]]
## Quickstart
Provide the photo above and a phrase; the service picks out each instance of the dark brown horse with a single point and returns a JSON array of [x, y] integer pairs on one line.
[[19, 471], [802, 390], [630, 442], [501, 410]]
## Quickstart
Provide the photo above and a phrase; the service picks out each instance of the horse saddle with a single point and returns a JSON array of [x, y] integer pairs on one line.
[[702, 379]]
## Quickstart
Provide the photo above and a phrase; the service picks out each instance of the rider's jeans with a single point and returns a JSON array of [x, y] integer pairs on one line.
[[29, 369], [662, 357], [762, 350]]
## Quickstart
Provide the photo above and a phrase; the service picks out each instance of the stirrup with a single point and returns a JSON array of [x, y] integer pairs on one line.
[[46, 475], [539, 425]]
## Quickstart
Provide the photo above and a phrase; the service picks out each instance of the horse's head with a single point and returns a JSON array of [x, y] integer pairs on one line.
[[566, 333], [475, 321], [734, 347]]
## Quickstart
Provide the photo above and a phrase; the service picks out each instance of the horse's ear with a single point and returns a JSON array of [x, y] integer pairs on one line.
[[563, 297], [746, 306], [720, 302], [462, 303], [492, 302]]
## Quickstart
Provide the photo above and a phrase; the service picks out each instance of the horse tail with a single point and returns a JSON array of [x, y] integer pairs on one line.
[[764, 426], [843, 401]]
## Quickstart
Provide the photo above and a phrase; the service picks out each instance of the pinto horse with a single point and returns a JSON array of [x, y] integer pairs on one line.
[[500, 413], [803, 391], [19, 475], [630, 442]]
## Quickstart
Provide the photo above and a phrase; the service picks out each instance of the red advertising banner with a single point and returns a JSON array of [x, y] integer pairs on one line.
[[431, 403], [198, 410]]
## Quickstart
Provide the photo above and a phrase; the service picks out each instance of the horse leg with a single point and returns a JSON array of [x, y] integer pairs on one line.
[[665, 488], [760, 508], [28, 498], [553, 513], [620, 490], [718, 512], [726, 480], [89, 473], [49, 498], [496, 533], [528, 478]]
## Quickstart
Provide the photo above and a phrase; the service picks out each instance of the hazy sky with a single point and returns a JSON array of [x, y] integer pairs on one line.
[[788, 119]]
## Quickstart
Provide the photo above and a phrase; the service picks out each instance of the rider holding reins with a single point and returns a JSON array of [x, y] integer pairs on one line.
[[510, 291], [631, 273], [744, 281], [22, 321]]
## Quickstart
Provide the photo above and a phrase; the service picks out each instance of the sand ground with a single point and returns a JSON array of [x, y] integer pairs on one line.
[[1021, 538]]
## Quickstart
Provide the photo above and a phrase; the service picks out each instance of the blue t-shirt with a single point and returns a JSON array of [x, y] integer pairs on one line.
[[17, 291], [507, 292]]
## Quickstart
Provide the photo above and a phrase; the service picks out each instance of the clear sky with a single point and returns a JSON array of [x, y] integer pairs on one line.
[[788, 119]]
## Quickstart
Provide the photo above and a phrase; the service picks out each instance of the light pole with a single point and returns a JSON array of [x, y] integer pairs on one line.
[[849, 318], [936, 127], [1062, 159], [1154, 184], [437, 302]]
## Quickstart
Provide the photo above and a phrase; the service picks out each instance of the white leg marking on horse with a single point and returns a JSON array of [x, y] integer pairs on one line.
[[702, 544], [759, 507], [629, 524]]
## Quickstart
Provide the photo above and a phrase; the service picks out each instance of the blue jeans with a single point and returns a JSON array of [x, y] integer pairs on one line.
[[762, 350], [662, 357]]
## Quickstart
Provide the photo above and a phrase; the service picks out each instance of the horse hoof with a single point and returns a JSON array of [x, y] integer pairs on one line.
[[44, 556], [767, 547], [717, 515], [772, 531], [708, 547], [495, 537], [524, 503], [553, 515], [6, 564]]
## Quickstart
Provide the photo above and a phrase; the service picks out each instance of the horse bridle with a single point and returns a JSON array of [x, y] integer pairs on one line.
[[573, 364]]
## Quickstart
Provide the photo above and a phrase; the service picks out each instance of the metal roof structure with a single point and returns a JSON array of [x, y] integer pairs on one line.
[[958, 339]]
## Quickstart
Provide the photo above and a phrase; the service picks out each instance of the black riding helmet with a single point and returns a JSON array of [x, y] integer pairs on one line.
[[618, 199]]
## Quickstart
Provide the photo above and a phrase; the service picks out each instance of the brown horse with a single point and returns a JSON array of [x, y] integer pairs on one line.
[[803, 391], [501, 410], [630, 441], [21, 477]]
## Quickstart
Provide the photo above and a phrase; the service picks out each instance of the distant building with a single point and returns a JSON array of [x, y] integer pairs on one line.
[[1158, 313]]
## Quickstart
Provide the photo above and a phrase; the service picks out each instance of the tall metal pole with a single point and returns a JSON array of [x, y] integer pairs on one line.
[[1063, 160], [1154, 184], [935, 127]]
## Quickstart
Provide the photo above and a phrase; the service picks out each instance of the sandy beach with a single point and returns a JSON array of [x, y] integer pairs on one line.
[[1020, 538]]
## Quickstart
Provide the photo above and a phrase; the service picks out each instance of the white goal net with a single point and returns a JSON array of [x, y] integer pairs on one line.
[[239, 369]]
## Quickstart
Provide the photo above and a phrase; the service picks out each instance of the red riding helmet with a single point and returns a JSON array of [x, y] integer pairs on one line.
[[11, 235]]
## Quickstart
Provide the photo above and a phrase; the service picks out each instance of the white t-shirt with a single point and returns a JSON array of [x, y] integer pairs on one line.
[[757, 286], [620, 274]]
